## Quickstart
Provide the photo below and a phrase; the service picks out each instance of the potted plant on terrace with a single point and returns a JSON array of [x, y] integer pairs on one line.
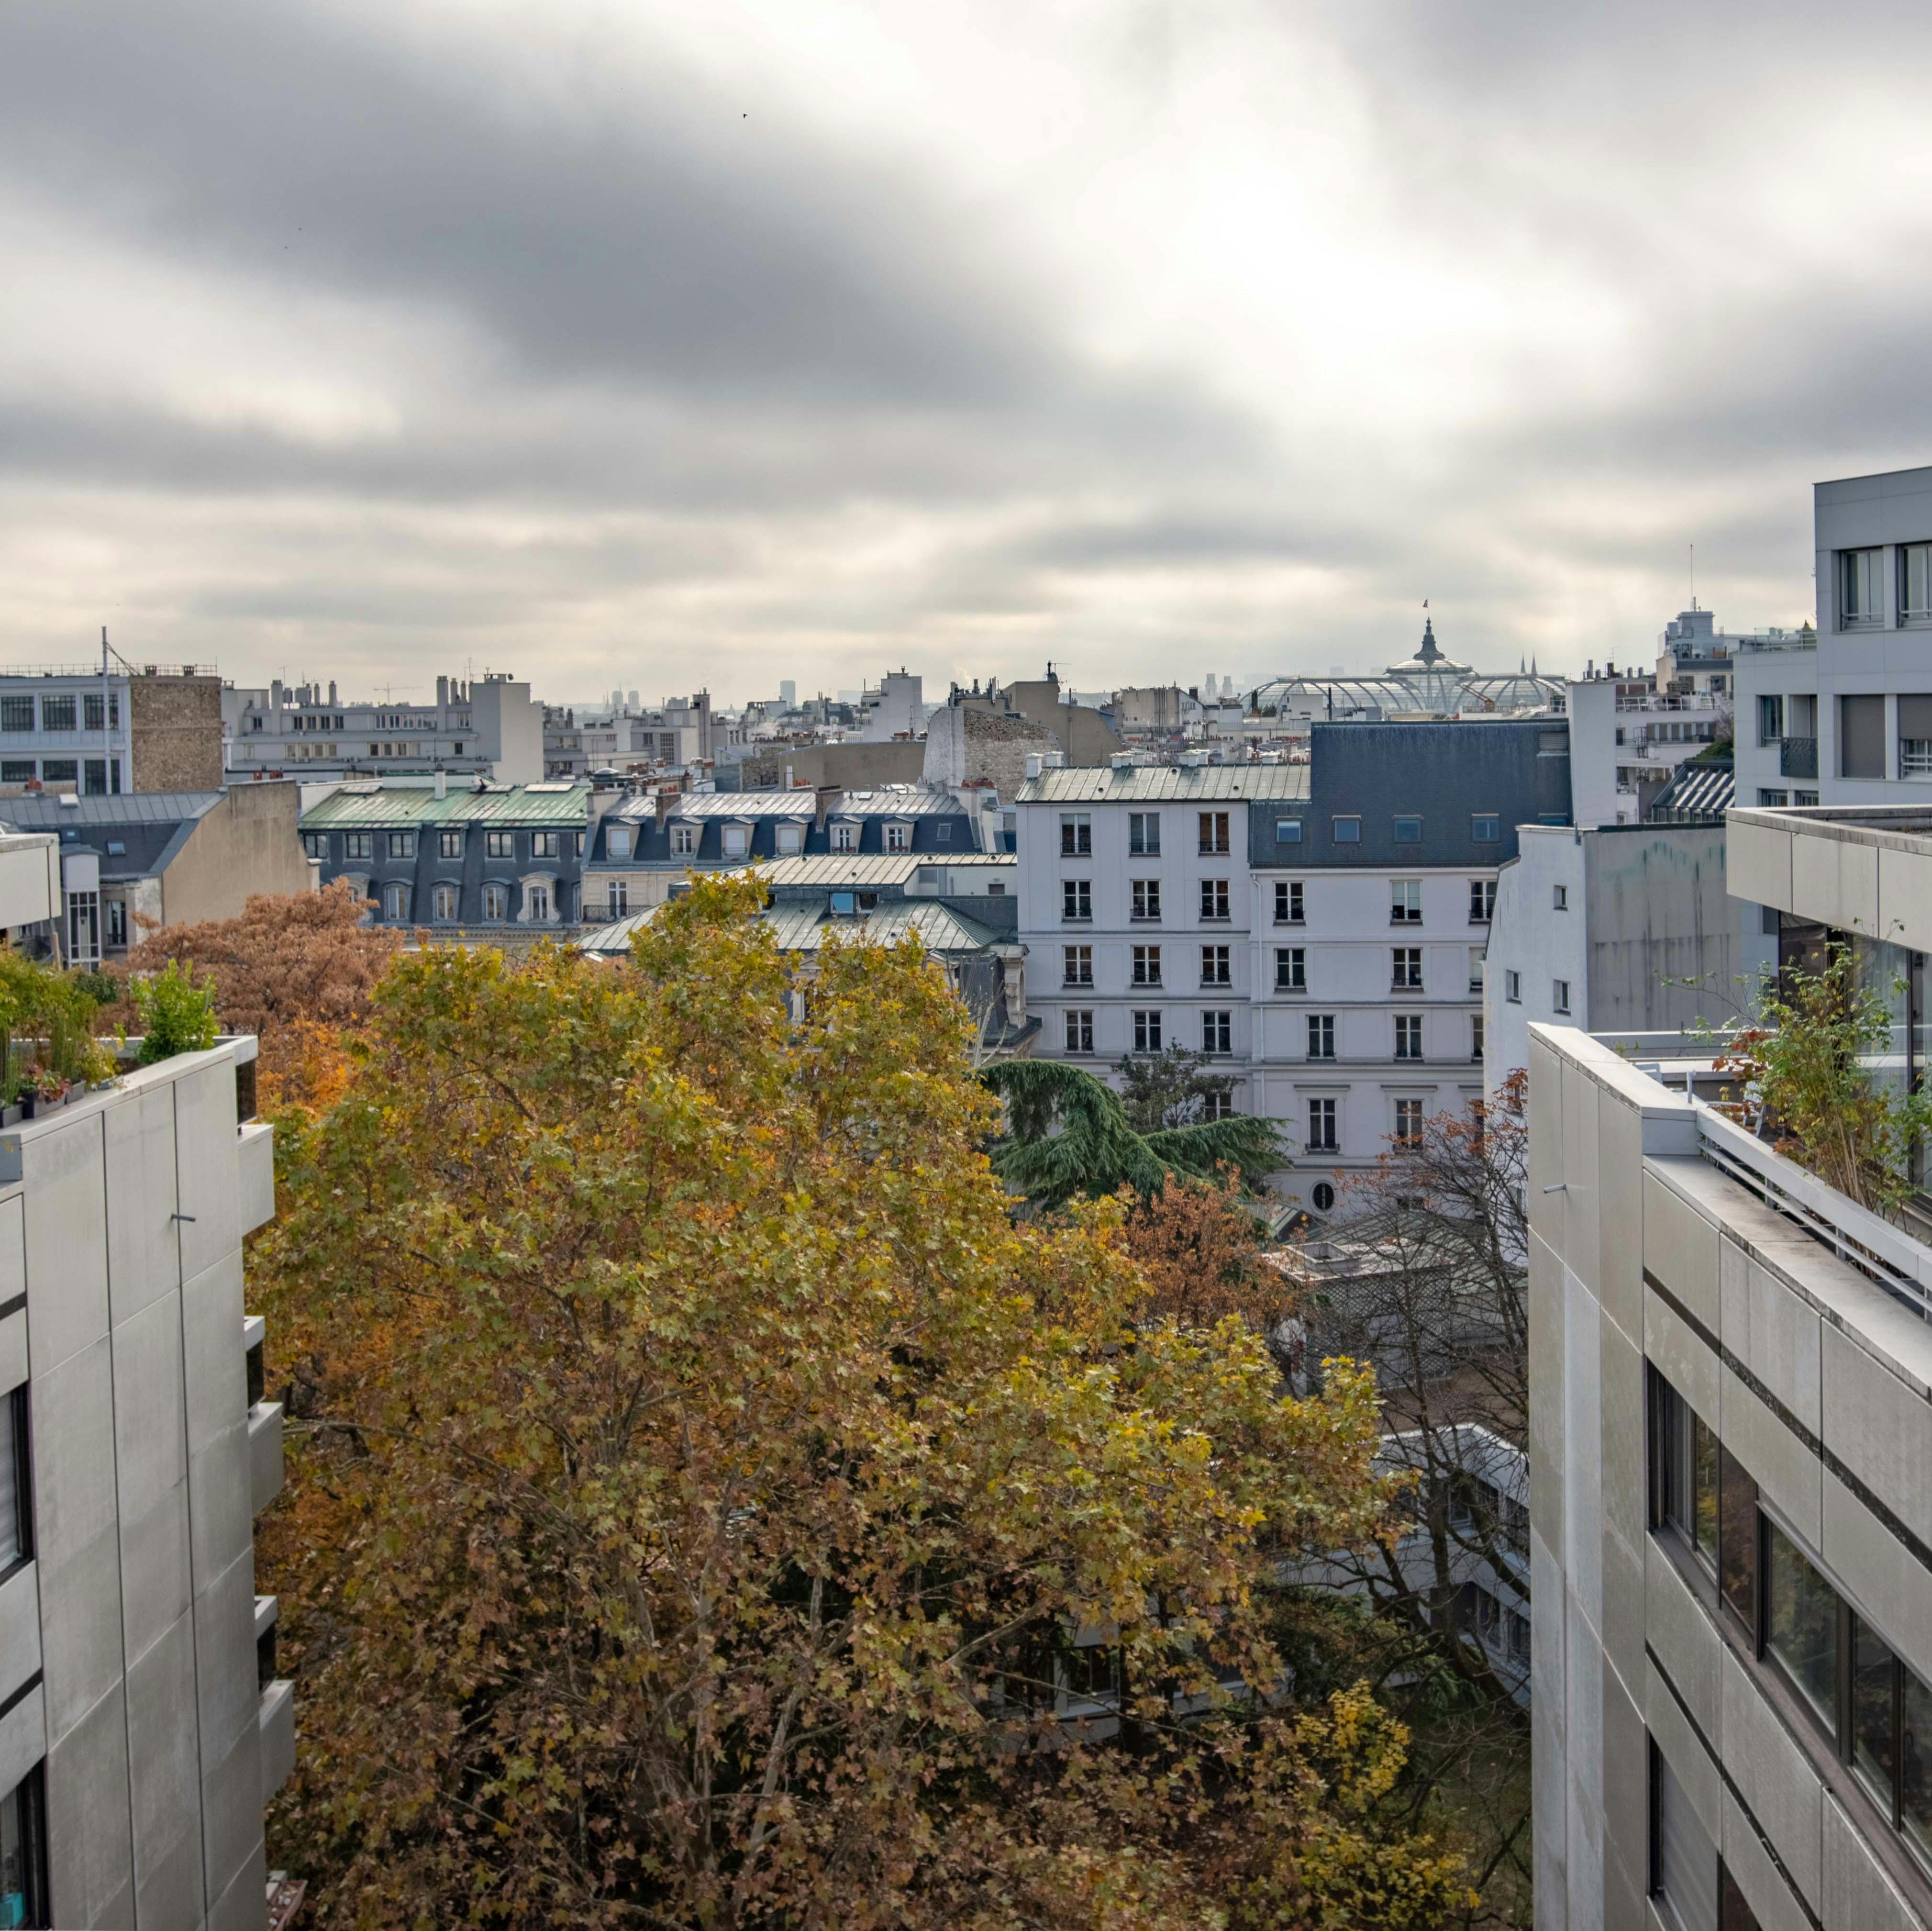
[[1804, 1060]]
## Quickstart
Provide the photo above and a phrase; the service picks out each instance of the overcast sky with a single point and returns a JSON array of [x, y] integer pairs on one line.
[[653, 343]]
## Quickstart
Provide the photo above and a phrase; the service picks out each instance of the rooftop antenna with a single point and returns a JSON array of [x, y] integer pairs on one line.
[[1693, 576]]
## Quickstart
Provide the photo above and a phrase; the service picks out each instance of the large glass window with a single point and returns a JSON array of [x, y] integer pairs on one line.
[[1915, 1761], [1144, 834], [1800, 1624], [1688, 1497], [1915, 582], [1873, 1682], [1737, 1538], [1861, 586], [17, 1537]]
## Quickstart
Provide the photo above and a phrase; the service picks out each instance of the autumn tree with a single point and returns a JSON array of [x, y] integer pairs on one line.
[[704, 1490], [1422, 1274], [1201, 1251], [293, 969]]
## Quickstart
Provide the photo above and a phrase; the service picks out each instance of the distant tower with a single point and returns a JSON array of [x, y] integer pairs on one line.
[[788, 694]]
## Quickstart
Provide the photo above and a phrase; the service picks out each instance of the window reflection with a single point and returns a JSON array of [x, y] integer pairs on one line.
[[1801, 1624]]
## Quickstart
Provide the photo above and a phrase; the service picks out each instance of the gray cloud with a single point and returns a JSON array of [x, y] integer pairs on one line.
[[528, 341]]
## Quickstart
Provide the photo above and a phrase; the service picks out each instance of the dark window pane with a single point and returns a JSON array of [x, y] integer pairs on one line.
[[1802, 1623], [1737, 1534], [1915, 1761], [1733, 1913], [1871, 1712], [1704, 1489]]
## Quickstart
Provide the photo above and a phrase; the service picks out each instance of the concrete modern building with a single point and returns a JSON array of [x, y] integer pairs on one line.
[[1321, 927], [1627, 929], [1731, 1457], [142, 1726], [488, 725], [69, 728], [1628, 740], [161, 858]]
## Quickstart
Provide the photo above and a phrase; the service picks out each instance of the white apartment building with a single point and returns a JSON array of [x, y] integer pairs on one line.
[[489, 726], [1731, 1475], [1627, 929], [1319, 928]]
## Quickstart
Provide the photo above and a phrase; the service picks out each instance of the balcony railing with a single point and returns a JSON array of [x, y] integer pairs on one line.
[[1798, 757], [1889, 1258]]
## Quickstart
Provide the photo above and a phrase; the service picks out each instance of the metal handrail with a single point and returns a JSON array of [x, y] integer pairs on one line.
[[1887, 1257]]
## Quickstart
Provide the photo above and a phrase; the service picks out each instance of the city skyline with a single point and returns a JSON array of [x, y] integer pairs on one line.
[[646, 347]]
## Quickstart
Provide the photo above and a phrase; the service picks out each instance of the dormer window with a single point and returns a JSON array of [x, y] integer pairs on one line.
[[684, 841], [844, 838], [617, 841], [898, 837], [791, 840], [737, 840]]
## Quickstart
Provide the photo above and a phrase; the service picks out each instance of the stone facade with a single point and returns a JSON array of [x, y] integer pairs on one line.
[[176, 725]]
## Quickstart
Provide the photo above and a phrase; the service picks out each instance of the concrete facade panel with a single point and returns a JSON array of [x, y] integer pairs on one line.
[[1775, 1332], [1680, 1248], [13, 1351], [1758, 861], [232, 1810], [255, 1153], [1836, 881], [1765, 1888], [1546, 1148], [243, 1906], [1788, 1474], [13, 1246], [1884, 1582], [216, 1374], [1773, 1778], [205, 1158], [1626, 1787], [1620, 1212], [1858, 1896], [1880, 1428], [19, 1631], [1583, 1434], [224, 1640], [278, 1728], [143, 1244], [66, 1238], [164, 1766], [150, 1429], [1685, 1640], [90, 1842], [264, 1455], [1622, 1465], [1691, 1763], [221, 1522], [1582, 1243], [1546, 1456], [1681, 1355], [78, 1552], [23, 1737]]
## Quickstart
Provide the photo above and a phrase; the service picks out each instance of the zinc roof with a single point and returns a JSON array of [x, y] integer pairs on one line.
[[848, 867], [803, 928], [42, 811], [1156, 783], [394, 805]]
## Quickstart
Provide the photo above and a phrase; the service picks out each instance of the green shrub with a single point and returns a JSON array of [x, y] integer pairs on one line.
[[177, 1016]]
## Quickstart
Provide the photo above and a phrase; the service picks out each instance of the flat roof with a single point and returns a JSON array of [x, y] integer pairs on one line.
[[1100, 784]]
